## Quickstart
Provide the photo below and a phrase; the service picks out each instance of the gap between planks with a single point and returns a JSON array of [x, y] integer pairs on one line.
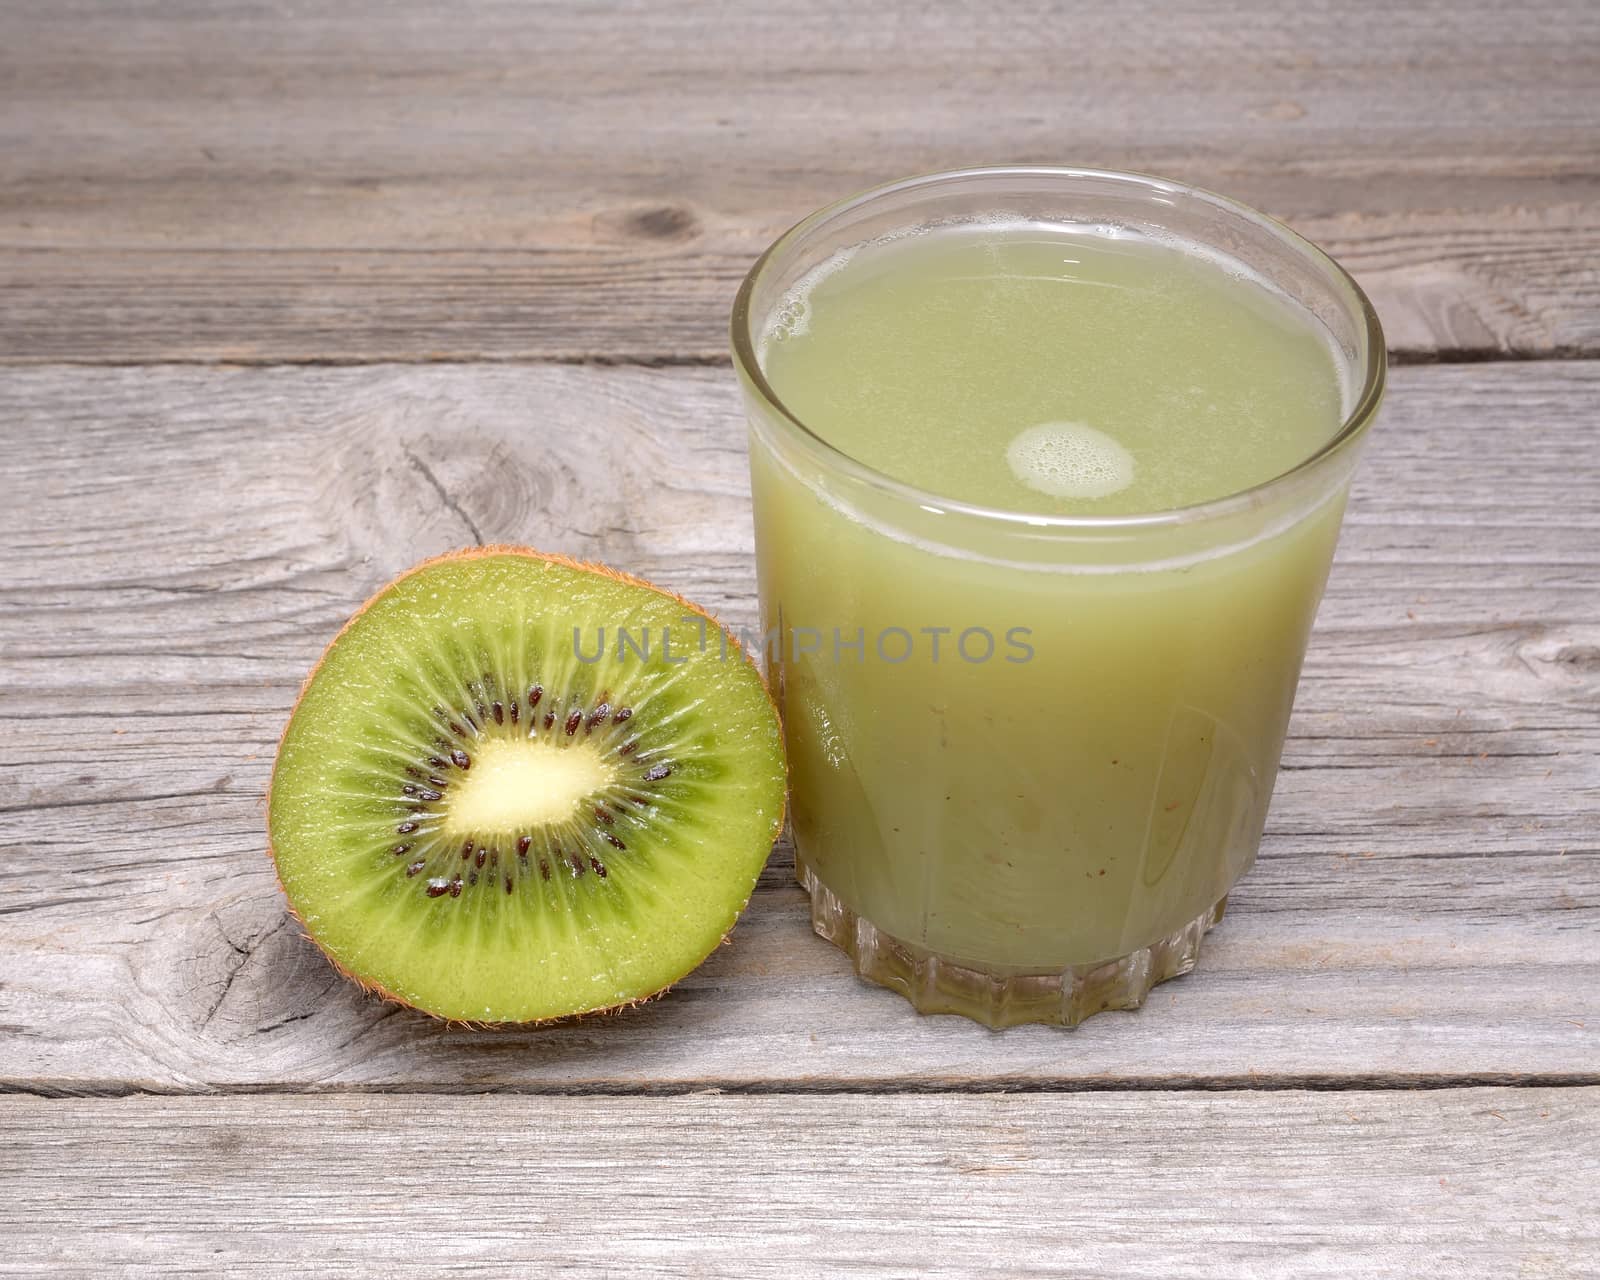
[[1357, 1082], [1401, 358]]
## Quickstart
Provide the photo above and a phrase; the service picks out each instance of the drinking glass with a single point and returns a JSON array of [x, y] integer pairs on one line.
[[1049, 831]]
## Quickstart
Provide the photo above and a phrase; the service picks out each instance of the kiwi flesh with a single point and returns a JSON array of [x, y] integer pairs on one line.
[[517, 787]]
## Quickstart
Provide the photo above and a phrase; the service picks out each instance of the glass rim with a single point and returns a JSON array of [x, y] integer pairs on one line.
[[1360, 415]]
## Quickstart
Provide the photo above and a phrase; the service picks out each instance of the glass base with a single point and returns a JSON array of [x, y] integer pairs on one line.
[[1063, 998]]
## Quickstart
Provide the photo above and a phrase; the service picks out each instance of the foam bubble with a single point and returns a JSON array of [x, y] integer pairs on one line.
[[1070, 460], [791, 317]]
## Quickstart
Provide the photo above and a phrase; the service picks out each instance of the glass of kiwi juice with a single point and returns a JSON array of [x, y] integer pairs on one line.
[[1048, 466]]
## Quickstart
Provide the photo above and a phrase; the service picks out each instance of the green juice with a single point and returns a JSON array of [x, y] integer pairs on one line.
[[1014, 760], [1045, 371]]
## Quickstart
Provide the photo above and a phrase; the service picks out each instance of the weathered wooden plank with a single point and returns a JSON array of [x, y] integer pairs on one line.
[[230, 182], [1481, 1182], [181, 542]]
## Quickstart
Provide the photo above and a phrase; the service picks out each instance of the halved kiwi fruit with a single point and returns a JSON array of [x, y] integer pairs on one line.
[[517, 788]]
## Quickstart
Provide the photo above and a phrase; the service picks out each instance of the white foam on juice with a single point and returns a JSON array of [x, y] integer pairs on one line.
[[791, 317], [1070, 460]]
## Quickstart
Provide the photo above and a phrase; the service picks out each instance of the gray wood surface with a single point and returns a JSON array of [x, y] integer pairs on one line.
[[184, 541], [236, 181], [1410, 1185]]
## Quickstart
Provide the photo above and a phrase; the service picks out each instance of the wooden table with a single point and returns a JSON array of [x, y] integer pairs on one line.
[[291, 297]]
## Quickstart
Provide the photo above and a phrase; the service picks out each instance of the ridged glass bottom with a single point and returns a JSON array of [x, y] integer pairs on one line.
[[1064, 998]]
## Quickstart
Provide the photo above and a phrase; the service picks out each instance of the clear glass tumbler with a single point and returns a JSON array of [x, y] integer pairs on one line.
[[1036, 840]]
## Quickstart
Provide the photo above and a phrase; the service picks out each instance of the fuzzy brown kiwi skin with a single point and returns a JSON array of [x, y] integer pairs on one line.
[[584, 566]]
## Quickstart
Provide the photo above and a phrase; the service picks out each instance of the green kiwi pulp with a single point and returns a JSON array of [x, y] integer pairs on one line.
[[517, 788]]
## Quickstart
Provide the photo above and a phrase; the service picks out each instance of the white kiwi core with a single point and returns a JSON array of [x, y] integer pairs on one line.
[[519, 784]]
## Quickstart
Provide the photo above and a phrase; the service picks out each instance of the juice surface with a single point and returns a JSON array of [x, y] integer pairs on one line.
[[1052, 369]]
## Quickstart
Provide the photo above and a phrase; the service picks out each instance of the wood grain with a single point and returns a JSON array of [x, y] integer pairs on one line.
[[183, 541], [1472, 1182], [499, 180]]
